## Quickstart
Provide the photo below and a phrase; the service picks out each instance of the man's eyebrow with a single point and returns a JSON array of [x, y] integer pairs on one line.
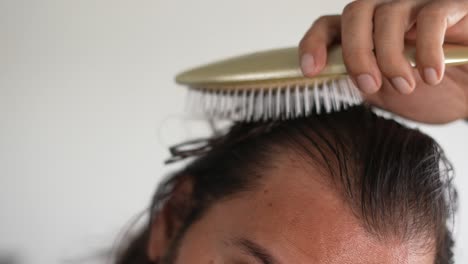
[[255, 250]]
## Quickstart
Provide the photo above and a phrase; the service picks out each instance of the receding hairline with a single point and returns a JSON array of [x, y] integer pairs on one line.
[[328, 153]]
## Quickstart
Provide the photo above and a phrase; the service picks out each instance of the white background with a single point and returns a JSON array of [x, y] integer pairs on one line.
[[87, 99]]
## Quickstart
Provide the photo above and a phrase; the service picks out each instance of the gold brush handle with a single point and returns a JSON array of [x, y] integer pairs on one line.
[[282, 65], [454, 55]]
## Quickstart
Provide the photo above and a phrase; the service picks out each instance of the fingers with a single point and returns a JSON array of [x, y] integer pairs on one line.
[[382, 27], [390, 24], [357, 44], [433, 21], [313, 47]]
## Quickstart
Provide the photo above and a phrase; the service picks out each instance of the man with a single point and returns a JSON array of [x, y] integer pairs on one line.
[[350, 187]]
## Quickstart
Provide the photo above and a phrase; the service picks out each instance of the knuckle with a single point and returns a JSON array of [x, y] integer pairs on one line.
[[321, 21], [390, 9], [382, 10], [324, 21], [354, 8], [322, 29]]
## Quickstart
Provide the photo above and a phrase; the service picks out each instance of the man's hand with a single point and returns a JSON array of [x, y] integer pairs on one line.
[[373, 33]]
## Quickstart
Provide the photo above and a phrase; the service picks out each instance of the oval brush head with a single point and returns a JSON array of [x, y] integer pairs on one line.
[[269, 85]]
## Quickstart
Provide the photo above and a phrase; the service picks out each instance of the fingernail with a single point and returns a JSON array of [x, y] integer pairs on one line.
[[401, 85], [308, 63], [430, 74], [366, 83]]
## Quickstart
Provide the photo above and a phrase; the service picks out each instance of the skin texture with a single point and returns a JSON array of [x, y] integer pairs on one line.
[[299, 219], [373, 33]]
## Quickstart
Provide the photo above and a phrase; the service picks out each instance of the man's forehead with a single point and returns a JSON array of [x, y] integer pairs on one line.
[[308, 222]]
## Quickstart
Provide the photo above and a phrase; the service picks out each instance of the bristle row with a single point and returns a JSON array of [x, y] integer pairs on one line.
[[274, 103]]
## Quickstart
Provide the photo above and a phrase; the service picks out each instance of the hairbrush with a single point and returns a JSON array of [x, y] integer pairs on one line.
[[269, 85]]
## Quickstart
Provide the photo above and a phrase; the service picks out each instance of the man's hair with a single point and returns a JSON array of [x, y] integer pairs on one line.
[[396, 180]]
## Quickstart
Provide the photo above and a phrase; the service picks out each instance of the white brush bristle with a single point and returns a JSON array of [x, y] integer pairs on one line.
[[274, 103]]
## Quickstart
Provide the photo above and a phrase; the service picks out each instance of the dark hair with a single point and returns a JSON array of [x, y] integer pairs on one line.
[[396, 179]]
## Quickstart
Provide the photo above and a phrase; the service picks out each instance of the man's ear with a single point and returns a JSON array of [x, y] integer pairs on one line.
[[170, 218]]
